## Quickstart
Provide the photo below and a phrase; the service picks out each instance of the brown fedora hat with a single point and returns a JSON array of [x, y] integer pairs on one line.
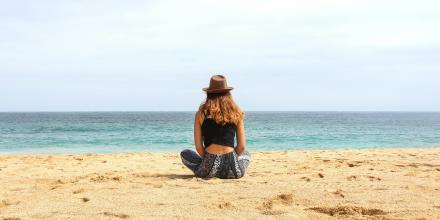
[[217, 84]]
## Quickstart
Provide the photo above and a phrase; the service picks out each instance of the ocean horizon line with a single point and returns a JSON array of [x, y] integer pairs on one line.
[[263, 111]]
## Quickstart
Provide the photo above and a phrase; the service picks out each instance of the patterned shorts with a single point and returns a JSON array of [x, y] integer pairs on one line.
[[224, 166]]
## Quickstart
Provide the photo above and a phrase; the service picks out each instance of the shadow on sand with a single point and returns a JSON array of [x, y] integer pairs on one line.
[[176, 176]]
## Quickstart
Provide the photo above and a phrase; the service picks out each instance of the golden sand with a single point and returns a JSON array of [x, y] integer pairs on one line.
[[312, 184]]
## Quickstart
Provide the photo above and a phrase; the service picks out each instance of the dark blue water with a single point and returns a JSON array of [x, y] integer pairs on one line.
[[80, 132]]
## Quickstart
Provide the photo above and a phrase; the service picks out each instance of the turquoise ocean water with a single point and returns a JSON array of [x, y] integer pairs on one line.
[[98, 132]]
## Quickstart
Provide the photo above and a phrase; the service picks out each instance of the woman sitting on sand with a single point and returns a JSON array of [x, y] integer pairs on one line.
[[217, 122]]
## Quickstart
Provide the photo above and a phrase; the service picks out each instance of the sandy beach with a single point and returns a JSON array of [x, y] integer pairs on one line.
[[314, 184]]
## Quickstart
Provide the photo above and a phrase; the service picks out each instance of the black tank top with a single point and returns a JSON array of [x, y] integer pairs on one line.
[[214, 133]]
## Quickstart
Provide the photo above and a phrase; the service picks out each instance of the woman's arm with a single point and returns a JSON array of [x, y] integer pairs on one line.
[[198, 135], [241, 138]]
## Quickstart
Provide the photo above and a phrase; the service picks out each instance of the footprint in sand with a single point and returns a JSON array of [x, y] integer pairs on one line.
[[117, 215], [277, 205], [11, 218], [321, 175], [348, 210]]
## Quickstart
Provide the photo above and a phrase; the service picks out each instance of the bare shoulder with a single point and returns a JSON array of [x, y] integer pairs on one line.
[[197, 117], [241, 122], [198, 113]]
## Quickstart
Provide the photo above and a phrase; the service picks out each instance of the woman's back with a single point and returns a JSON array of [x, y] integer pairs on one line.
[[218, 121], [214, 133]]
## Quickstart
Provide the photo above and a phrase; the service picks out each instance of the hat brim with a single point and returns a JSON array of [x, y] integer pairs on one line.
[[227, 89]]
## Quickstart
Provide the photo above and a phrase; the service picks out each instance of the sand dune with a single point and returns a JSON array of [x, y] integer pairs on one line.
[[314, 184]]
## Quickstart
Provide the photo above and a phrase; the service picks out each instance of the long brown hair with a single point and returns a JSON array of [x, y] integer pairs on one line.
[[221, 108]]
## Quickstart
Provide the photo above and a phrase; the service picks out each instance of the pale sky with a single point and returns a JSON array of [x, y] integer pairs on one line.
[[279, 55]]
